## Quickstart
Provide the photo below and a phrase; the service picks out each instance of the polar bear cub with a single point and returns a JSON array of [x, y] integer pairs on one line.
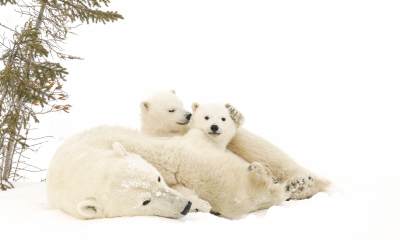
[[252, 149], [89, 181], [167, 107], [220, 123], [217, 121]]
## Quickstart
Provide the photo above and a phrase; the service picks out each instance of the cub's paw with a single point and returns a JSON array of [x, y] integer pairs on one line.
[[257, 168], [299, 188], [199, 205], [236, 116], [259, 174]]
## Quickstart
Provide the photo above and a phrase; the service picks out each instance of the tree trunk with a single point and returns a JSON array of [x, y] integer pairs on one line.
[[8, 161], [11, 144]]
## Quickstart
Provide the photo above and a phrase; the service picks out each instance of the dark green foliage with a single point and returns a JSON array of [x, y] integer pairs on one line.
[[4, 2], [30, 78]]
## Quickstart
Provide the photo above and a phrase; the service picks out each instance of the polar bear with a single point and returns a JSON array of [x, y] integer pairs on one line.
[[221, 122], [301, 182], [164, 105], [167, 106], [216, 121], [219, 177], [89, 181]]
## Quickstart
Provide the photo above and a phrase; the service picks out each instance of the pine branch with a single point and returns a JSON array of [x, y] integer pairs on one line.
[[30, 78], [5, 2]]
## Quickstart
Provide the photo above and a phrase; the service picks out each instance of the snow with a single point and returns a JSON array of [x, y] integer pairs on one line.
[[318, 79], [25, 215]]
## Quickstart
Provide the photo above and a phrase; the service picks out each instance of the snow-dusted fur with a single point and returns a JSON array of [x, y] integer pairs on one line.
[[192, 161], [92, 176], [301, 182], [166, 106]]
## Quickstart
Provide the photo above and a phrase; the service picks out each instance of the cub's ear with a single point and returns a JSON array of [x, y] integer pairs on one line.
[[195, 105], [173, 91], [144, 106], [236, 116], [89, 208], [119, 149]]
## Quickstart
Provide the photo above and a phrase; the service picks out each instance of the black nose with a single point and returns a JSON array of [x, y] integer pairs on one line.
[[214, 128], [188, 116], [187, 208]]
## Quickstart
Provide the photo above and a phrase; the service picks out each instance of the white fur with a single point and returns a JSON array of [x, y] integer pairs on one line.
[[158, 107], [206, 116], [93, 176], [219, 177], [253, 149]]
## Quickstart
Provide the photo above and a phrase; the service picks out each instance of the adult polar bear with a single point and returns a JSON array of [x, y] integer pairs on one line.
[[163, 112], [221, 178], [91, 180]]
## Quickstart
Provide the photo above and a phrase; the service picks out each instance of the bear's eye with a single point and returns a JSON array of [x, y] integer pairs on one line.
[[206, 117], [223, 119], [146, 202], [171, 110], [159, 179]]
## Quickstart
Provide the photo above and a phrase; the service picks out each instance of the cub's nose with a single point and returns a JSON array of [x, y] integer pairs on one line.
[[214, 128], [188, 116]]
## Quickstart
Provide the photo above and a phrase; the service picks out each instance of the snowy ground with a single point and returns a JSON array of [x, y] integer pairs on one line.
[[25, 215], [319, 79]]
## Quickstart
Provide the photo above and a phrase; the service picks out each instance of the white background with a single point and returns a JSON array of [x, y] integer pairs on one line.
[[320, 79]]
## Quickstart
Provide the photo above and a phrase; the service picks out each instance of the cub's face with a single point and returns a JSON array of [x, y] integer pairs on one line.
[[164, 110], [214, 120]]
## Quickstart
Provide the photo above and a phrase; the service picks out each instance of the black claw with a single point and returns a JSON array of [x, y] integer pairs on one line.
[[309, 178], [197, 210], [215, 213], [287, 187], [298, 181], [303, 181], [293, 184]]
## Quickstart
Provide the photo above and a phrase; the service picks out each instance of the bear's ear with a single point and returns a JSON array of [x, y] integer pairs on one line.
[[119, 149], [173, 91], [236, 116], [195, 105], [89, 208], [144, 105]]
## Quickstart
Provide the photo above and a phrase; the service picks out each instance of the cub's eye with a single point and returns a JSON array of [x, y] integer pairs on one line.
[[159, 179], [146, 202], [206, 117], [223, 119], [171, 110]]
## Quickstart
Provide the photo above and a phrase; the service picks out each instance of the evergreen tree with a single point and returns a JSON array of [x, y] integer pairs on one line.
[[30, 78]]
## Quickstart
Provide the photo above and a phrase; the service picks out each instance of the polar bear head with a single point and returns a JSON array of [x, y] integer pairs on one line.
[[163, 114], [130, 187], [219, 122]]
